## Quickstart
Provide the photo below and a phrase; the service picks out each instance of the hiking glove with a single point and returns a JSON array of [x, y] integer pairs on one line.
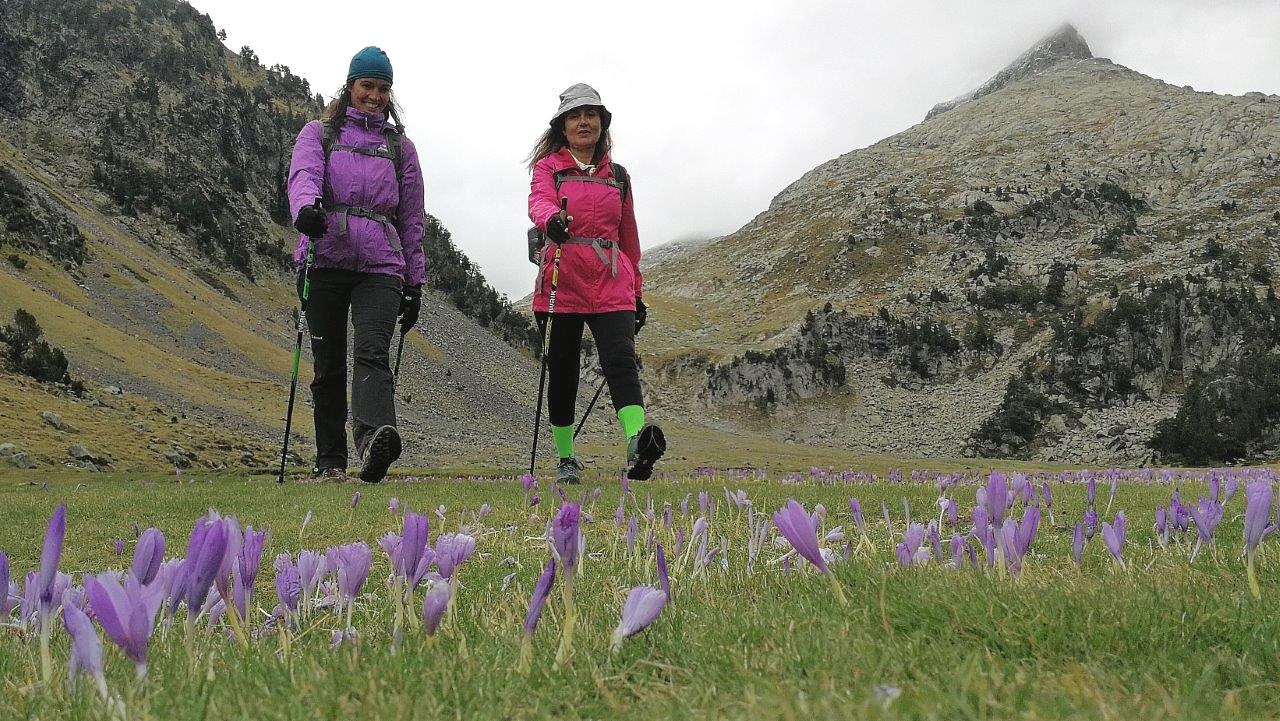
[[410, 305], [557, 230], [311, 221], [642, 314]]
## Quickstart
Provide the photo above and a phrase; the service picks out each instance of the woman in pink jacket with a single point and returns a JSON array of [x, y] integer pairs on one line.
[[366, 236], [599, 284]]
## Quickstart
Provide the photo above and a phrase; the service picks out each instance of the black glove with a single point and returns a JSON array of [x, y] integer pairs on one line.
[[557, 229], [311, 221], [410, 306], [642, 314]]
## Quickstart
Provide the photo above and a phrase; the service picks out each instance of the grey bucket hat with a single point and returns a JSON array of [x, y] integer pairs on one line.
[[577, 96]]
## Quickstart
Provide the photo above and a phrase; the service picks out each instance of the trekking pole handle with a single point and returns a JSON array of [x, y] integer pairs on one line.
[[564, 211]]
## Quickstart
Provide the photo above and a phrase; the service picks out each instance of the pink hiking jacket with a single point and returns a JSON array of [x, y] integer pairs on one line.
[[587, 284]]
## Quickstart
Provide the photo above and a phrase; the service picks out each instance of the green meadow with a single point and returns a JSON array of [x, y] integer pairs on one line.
[[1159, 638]]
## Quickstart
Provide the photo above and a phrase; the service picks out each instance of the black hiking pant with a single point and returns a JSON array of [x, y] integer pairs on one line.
[[373, 302], [615, 337]]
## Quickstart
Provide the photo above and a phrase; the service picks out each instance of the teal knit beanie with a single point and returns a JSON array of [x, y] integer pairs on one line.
[[370, 63]]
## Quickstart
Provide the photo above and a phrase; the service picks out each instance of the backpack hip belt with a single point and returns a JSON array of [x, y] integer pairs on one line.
[[394, 152], [346, 211], [600, 245]]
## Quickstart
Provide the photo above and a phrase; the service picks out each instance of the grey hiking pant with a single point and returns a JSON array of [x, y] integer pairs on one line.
[[373, 302]]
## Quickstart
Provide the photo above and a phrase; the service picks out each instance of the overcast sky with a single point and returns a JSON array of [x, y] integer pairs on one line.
[[717, 105]]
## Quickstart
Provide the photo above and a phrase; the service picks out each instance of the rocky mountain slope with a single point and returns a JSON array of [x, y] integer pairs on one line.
[[143, 225], [1039, 269]]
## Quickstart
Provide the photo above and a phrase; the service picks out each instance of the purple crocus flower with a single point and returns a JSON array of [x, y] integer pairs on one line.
[[451, 550], [118, 546], [1113, 535], [957, 550], [434, 605], [855, 509], [205, 551], [632, 529], [355, 500], [801, 531], [704, 501], [1091, 490], [908, 551], [352, 563], [1090, 522], [247, 564], [127, 613], [1027, 529], [663, 579], [884, 507], [1077, 544], [413, 543], [1206, 516], [1233, 486], [288, 583], [1257, 514], [1007, 539], [310, 571], [393, 505], [148, 555], [564, 537], [86, 649], [539, 598], [50, 554], [5, 603], [996, 500], [643, 605]]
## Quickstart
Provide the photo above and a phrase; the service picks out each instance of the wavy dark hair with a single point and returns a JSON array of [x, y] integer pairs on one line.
[[553, 139], [336, 111]]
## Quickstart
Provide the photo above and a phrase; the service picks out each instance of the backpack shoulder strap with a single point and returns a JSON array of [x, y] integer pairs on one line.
[[327, 141], [624, 181], [395, 144]]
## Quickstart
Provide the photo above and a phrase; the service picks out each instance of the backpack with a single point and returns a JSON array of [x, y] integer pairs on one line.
[[394, 137], [537, 239]]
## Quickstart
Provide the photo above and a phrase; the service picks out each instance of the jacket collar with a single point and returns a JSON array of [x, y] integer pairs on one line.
[[369, 121], [563, 159]]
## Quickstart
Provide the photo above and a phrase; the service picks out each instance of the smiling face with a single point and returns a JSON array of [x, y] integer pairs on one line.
[[582, 128], [370, 95]]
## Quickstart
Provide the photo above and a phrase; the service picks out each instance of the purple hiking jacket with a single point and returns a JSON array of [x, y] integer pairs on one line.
[[366, 182]]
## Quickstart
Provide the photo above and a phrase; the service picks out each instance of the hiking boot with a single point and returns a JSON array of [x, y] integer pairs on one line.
[[327, 475], [569, 471], [643, 450], [380, 452]]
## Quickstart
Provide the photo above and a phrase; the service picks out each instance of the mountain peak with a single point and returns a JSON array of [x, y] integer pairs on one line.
[[1065, 43]]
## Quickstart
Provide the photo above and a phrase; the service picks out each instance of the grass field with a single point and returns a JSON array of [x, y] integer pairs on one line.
[[1160, 638]]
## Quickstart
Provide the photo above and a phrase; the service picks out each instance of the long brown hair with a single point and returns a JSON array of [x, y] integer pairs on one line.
[[553, 139], [336, 111]]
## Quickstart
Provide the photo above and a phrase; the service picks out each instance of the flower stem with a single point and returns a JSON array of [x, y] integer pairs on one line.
[[1253, 577], [570, 621], [835, 586], [526, 654], [46, 660]]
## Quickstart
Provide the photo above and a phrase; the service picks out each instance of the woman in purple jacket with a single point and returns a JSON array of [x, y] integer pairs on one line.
[[367, 236]]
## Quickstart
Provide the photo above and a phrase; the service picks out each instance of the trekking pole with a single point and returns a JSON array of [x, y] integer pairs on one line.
[[297, 350], [395, 375], [590, 406], [546, 335]]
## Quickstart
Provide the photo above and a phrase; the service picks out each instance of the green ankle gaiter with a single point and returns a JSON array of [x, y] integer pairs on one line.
[[632, 419], [564, 440]]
